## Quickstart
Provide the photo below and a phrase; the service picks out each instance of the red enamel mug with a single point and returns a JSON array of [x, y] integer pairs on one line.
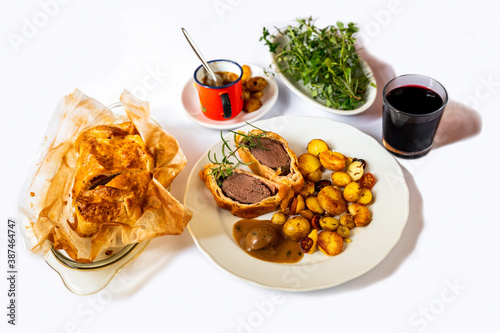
[[223, 102]]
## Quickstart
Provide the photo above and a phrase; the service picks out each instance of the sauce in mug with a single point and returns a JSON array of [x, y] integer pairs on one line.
[[227, 78], [264, 240]]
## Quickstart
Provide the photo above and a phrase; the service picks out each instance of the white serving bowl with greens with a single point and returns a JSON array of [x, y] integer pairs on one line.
[[322, 66]]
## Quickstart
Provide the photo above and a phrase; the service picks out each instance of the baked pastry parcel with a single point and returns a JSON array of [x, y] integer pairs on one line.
[[112, 176], [245, 194], [102, 180], [270, 157]]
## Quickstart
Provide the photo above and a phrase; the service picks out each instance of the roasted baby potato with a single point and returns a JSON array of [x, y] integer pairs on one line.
[[347, 220], [296, 228], [343, 231], [297, 205], [247, 73], [251, 104], [355, 170], [348, 161], [245, 93], [331, 200], [258, 94], [313, 204], [308, 163], [365, 196], [352, 191], [340, 178], [323, 203], [307, 190], [317, 146], [329, 223], [361, 214], [315, 176], [332, 160], [308, 214], [330, 242], [256, 83], [279, 218]]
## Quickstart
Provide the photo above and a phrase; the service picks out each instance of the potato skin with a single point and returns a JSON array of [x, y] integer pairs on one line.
[[329, 223], [251, 104], [331, 200], [279, 218], [245, 93], [348, 220], [361, 214], [308, 214], [351, 192], [247, 73], [298, 204], [315, 176], [330, 243], [258, 94], [313, 204], [308, 163], [365, 196], [256, 83], [340, 178], [317, 146], [307, 190], [296, 228], [332, 160], [343, 231]]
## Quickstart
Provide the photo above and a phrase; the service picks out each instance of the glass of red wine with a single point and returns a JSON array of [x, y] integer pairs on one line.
[[413, 105]]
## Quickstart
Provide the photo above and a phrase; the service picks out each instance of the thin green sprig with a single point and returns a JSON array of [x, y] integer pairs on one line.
[[325, 60], [225, 167]]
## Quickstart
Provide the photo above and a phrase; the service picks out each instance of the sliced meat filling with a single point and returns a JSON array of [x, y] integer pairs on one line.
[[272, 154], [246, 189]]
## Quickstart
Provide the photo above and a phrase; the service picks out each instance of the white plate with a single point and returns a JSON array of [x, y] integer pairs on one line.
[[300, 90], [192, 104], [211, 226]]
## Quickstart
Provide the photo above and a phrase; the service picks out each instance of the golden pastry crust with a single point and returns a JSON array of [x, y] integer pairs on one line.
[[283, 195], [294, 179], [117, 157], [107, 151], [105, 206]]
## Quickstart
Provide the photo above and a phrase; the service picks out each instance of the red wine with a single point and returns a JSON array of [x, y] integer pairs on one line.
[[410, 120], [414, 99]]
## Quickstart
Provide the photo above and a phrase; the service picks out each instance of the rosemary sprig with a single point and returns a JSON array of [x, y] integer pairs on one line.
[[225, 167]]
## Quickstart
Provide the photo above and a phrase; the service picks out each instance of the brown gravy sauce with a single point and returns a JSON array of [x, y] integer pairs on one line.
[[227, 78], [264, 240]]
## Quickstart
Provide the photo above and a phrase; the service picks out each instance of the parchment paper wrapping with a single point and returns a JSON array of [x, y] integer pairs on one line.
[[45, 202]]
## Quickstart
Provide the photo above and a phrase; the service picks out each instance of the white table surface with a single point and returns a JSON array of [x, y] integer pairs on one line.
[[443, 274]]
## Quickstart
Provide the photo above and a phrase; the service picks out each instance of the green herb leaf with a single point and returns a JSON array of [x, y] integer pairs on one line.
[[225, 167], [324, 60]]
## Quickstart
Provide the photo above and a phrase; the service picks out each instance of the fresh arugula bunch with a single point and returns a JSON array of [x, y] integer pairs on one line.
[[225, 167], [325, 60]]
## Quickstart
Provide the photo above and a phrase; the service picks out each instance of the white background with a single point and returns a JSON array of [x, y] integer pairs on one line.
[[443, 274]]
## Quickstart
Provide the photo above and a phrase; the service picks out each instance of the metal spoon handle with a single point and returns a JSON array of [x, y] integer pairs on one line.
[[199, 54]]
